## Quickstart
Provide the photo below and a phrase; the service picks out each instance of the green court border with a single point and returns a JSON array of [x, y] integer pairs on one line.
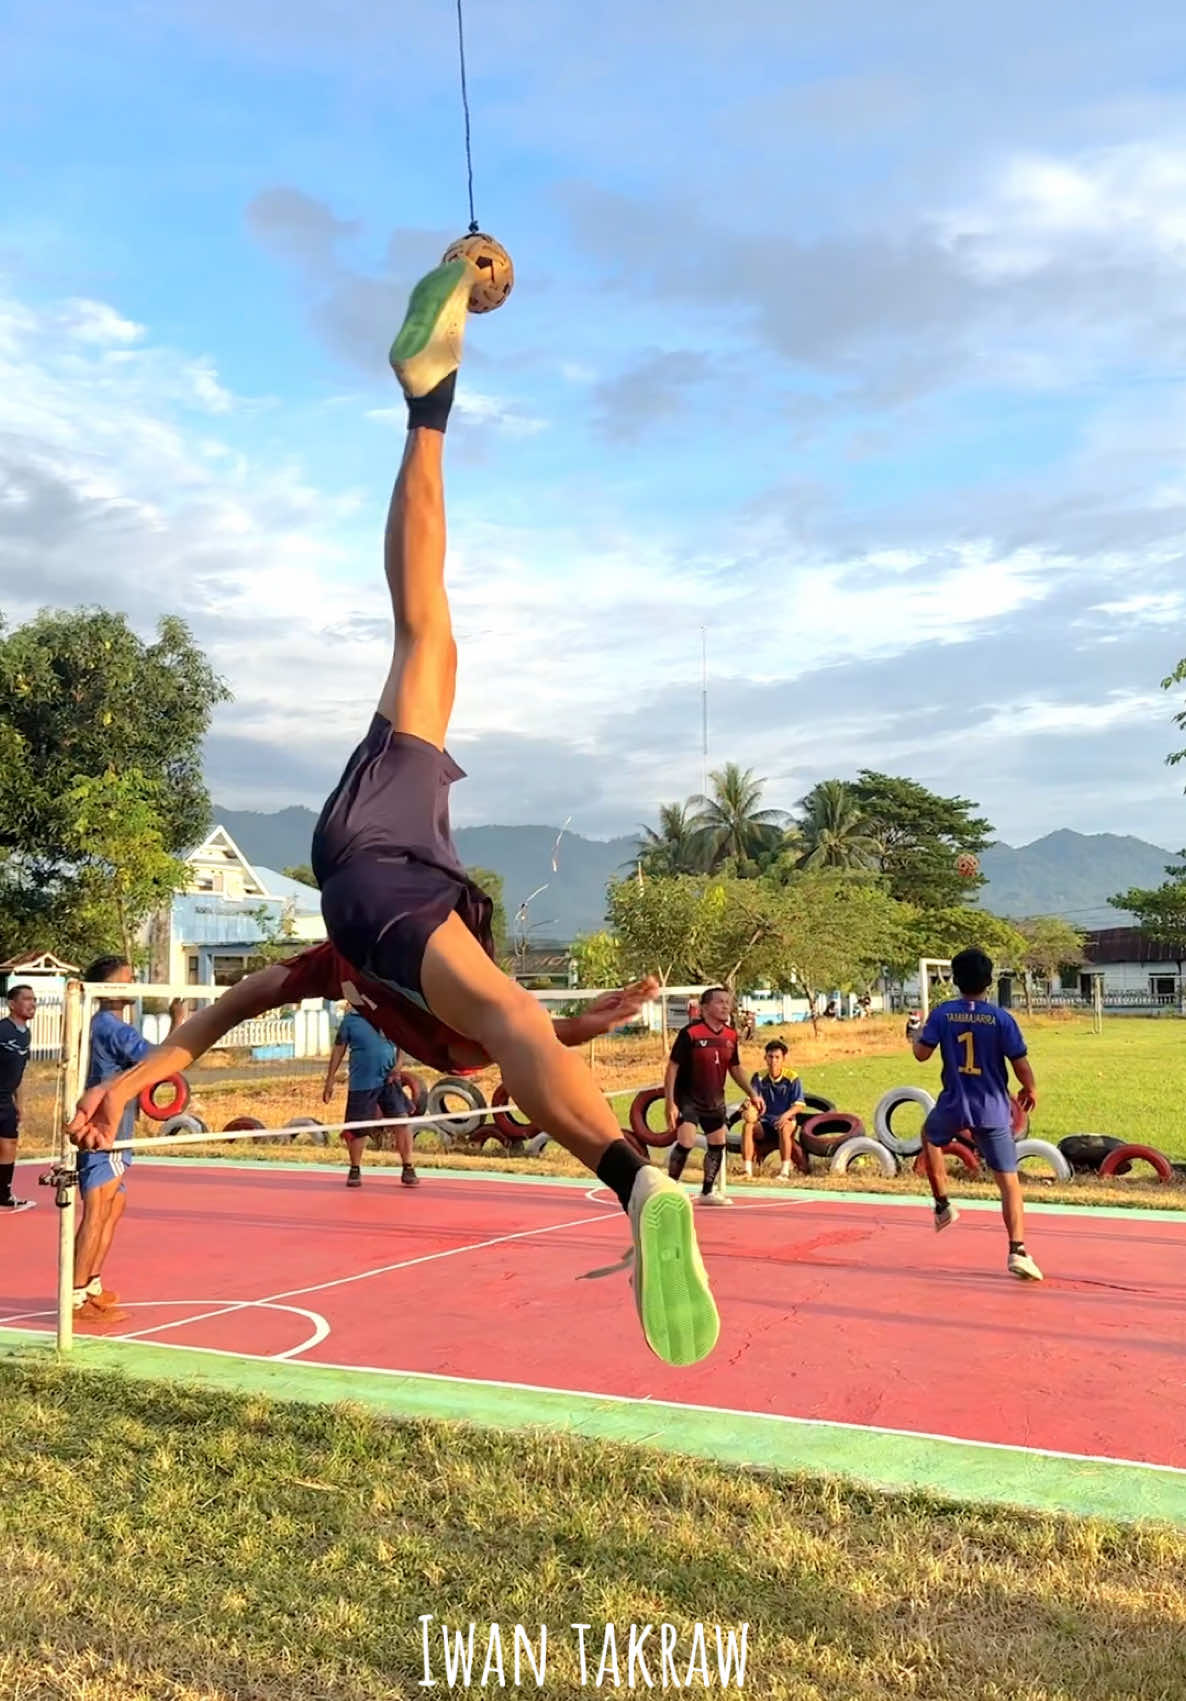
[[890, 1460]]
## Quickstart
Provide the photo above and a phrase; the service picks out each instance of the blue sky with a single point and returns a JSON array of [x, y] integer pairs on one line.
[[853, 334]]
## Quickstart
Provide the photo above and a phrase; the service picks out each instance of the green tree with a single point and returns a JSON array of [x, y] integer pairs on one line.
[[302, 872], [1050, 945], [120, 869], [675, 848], [946, 932], [492, 884], [1177, 677], [920, 835], [834, 830], [81, 694], [830, 931], [732, 825], [597, 959]]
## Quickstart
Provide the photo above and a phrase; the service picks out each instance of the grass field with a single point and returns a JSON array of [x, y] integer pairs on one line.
[[161, 1544]]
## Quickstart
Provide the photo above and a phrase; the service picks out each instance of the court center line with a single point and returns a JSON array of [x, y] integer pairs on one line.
[[233, 1306]]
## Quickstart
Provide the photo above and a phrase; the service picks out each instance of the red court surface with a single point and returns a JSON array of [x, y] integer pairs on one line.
[[833, 1310]]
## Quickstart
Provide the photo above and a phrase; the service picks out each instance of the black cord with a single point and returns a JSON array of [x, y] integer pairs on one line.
[[469, 162]]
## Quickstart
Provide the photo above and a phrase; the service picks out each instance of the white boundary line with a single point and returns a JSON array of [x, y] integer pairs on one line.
[[604, 1399], [321, 1328], [228, 1308]]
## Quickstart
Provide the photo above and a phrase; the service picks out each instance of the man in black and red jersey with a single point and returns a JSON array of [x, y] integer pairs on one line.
[[702, 1059], [409, 933]]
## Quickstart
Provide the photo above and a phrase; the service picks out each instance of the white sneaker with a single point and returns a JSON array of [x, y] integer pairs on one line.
[[945, 1218], [14, 1205], [713, 1198], [1023, 1267]]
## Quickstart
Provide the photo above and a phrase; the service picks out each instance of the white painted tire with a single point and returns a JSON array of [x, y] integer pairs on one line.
[[536, 1144], [1050, 1154], [912, 1144], [863, 1147], [183, 1124], [456, 1087]]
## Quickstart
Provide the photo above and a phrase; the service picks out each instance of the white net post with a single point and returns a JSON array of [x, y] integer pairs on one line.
[[71, 1079]]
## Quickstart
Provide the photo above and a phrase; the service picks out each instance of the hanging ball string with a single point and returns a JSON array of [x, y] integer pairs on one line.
[[469, 162]]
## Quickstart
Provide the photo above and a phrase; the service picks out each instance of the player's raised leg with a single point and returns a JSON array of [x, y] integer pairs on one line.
[[418, 695], [552, 1086]]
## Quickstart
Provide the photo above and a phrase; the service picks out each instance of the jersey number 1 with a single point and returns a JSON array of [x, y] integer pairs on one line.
[[968, 1040]]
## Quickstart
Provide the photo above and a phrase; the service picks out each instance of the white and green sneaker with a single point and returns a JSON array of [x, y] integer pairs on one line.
[[675, 1307], [428, 347]]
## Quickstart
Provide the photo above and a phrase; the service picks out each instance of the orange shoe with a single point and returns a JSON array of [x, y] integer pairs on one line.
[[90, 1315], [105, 1299]]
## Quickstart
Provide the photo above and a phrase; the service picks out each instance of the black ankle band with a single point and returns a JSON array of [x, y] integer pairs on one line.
[[618, 1168], [431, 412]]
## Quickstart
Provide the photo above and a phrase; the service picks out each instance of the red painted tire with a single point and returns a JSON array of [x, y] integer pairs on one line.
[[1019, 1120], [240, 1124], [638, 1118], [1123, 1156], [511, 1128], [417, 1090], [821, 1135], [151, 1106], [966, 1154], [632, 1139]]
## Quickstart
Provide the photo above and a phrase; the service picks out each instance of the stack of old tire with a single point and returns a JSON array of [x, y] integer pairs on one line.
[[1105, 1156], [819, 1134], [891, 1146]]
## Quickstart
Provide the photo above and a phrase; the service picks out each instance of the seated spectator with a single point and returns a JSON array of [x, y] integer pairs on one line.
[[782, 1097]]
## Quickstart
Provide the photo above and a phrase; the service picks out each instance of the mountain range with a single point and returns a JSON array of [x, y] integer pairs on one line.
[[1066, 873]]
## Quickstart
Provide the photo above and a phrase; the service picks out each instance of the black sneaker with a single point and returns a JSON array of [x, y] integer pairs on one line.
[[354, 1179], [17, 1204], [408, 1176]]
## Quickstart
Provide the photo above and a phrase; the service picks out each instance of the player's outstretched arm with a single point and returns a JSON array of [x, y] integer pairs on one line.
[[99, 1110], [1028, 1096], [611, 1010]]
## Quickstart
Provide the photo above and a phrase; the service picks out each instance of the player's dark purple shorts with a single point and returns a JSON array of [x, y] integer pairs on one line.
[[997, 1146], [384, 857], [375, 1104]]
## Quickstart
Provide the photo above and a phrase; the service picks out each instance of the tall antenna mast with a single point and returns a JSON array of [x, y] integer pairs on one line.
[[704, 710]]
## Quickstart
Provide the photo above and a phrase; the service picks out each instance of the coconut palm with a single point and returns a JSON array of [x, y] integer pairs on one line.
[[675, 848], [834, 831], [731, 824]]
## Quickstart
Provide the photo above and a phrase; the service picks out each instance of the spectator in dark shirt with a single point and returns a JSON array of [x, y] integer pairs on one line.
[[15, 1041]]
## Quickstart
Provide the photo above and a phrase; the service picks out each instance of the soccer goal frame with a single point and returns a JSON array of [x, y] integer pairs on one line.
[[925, 965]]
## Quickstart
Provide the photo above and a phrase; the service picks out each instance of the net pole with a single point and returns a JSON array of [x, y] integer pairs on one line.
[[71, 1078]]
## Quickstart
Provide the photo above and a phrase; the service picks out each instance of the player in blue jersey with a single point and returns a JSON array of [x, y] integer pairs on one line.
[[977, 1042], [782, 1099]]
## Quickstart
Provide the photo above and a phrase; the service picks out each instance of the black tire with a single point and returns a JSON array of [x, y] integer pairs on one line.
[[814, 1102], [456, 1087], [1086, 1152]]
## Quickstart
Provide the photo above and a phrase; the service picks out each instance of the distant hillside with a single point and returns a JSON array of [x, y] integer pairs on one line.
[[573, 903], [1071, 874], [1066, 873]]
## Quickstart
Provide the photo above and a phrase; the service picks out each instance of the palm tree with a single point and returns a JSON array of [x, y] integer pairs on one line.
[[675, 848], [835, 833], [731, 824]]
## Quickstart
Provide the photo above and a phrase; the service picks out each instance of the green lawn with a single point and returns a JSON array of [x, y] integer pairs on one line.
[[164, 1544], [1129, 1081]]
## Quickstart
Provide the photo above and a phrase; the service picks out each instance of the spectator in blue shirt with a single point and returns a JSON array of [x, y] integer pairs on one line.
[[782, 1097], [114, 1047], [977, 1041], [373, 1092]]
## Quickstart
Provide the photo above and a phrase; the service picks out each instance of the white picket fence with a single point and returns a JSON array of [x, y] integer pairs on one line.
[[307, 1033]]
